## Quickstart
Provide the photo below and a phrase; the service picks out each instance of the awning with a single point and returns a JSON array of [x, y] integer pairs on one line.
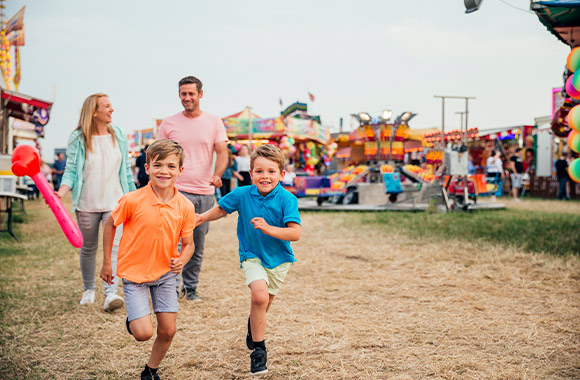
[[412, 146], [343, 152], [561, 17]]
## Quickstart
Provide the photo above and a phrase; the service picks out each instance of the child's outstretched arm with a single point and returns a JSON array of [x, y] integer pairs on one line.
[[210, 215], [108, 236], [187, 248], [290, 233]]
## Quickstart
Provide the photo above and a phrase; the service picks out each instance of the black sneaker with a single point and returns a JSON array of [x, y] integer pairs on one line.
[[259, 358], [149, 376], [249, 341], [190, 294]]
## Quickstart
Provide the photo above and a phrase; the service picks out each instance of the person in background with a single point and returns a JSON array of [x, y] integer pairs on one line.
[[58, 170], [142, 176], [243, 164], [494, 170], [516, 172], [470, 166], [201, 135], [562, 175], [97, 173], [231, 171], [529, 162], [288, 179]]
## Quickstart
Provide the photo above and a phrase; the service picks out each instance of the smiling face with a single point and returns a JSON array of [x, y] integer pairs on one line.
[[266, 175], [104, 112], [189, 96], [163, 173]]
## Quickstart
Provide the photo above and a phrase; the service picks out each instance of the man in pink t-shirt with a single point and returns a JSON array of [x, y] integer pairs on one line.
[[200, 134]]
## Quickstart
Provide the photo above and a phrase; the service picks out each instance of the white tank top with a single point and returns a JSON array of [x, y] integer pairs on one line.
[[101, 184]]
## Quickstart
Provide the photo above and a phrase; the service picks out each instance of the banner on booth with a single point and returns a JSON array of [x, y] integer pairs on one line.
[[307, 129], [239, 127]]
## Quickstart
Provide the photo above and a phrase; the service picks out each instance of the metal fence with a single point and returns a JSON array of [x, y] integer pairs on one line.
[[547, 187]]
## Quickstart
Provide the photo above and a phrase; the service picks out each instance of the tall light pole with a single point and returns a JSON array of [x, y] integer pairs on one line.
[[460, 118], [443, 114]]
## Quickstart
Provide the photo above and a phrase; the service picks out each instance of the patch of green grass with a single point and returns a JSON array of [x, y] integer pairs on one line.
[[533, 231]]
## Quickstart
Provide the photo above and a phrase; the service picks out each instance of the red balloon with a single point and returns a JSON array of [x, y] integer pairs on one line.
[[25, 161]]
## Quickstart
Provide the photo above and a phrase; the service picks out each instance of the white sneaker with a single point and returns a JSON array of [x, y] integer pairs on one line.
[[112, 302], [88, 297]]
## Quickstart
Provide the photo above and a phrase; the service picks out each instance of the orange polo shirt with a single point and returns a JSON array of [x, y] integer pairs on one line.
[[151, 233]]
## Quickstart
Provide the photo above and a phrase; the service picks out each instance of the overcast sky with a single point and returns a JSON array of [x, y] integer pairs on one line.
[[352, 55]]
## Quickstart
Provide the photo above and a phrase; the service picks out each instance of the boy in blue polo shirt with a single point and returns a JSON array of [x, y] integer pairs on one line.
[[268, 221]]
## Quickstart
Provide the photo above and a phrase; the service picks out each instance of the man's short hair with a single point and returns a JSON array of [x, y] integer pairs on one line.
[[518, 149], [161, 149], [270, 152], [190, 80]]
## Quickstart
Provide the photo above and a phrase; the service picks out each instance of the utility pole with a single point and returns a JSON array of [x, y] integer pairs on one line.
[[443, 115]]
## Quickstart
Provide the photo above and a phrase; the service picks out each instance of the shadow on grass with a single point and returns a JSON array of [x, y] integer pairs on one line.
[[533, 231]]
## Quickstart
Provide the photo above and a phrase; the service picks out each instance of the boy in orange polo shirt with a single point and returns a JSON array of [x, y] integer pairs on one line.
[[154, 218]]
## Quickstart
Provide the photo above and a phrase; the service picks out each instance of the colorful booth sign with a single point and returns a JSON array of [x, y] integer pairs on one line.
[[307, 129], [270, 127]]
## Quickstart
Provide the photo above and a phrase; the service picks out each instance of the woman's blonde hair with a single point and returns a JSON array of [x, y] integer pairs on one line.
[[87, 125]]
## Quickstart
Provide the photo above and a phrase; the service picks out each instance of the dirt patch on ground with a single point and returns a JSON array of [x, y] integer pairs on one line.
[[361, 303]]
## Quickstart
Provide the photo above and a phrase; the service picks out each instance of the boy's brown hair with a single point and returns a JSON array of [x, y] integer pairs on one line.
[[161, 149], [270, 152]]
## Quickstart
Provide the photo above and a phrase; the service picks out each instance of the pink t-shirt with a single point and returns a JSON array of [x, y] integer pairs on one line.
[[198, 137]]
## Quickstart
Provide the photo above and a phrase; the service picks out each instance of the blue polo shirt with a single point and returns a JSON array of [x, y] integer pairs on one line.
[[277, 208]]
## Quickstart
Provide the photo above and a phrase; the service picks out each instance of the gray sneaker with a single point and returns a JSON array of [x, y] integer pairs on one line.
[[190, 294]]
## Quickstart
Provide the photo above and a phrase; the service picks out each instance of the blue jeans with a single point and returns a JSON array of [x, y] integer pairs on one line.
[[562, 188]]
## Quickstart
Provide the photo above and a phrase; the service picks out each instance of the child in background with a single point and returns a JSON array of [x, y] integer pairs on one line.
[[289, 176], [268, 220], [154, 218]]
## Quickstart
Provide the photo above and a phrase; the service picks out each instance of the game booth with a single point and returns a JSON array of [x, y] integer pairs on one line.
[[301, 137], [22, 122], [480, 144]]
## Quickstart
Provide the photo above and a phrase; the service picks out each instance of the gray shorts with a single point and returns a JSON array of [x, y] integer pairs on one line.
[[163, 296], [516, 180]]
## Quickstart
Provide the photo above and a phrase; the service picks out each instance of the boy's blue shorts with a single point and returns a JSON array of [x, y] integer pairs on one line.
[[163, 296]]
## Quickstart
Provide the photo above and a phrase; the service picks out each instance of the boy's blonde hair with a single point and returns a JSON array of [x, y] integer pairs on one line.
[[270, 152], [161, 149]]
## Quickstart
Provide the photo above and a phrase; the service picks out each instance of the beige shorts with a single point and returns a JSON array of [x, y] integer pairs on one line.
[[254, 270]]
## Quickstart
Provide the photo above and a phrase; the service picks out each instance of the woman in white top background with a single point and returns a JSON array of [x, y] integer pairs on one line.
[[97, 173], [494, 171], [243, 164]]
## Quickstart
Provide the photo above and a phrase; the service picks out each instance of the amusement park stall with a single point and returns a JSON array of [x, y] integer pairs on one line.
[[480, 144], [301, 136]]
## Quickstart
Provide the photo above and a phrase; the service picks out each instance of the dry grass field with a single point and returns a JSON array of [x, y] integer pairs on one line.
[[362, 302]]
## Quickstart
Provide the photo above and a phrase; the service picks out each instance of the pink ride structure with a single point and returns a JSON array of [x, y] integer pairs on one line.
[[26, 162]]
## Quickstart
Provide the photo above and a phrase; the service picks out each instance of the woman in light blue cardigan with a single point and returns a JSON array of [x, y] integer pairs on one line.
[[97, 173]]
